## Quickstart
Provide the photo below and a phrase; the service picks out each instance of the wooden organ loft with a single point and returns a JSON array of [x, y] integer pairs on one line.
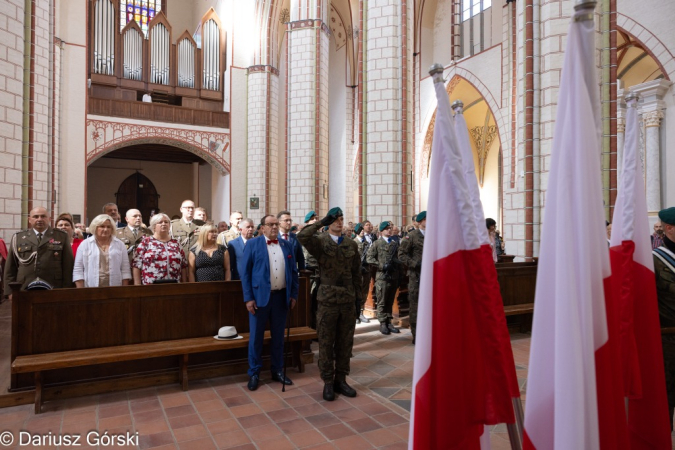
[[186, 82]]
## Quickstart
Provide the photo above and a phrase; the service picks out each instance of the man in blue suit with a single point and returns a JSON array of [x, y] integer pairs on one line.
[[235, 248], [269, 279], [285, 224]]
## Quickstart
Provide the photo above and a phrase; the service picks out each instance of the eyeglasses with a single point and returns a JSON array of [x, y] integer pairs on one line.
[[187, 207], [276, 224]]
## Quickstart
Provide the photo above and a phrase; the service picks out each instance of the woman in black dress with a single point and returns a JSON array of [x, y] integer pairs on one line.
[[209, 261]]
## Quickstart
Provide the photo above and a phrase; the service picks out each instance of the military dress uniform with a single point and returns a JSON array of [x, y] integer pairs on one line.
[[225, 237], [410, 254], [50, 259], [131, 240], [384, 254], [340, 272], [185, 234]]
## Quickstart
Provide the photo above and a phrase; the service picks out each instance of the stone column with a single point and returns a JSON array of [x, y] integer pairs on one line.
[[652, 121], [620, 139]]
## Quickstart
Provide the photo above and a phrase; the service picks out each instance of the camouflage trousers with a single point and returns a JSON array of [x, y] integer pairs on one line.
[[313, 291], [386, 292], [669, 365], [413, 295], [365, 287], [335, 330]]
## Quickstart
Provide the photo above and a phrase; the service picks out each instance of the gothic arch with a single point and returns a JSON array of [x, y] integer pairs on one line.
[[650, 42]]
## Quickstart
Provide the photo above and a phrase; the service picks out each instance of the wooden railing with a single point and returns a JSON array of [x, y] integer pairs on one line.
[[158, 112]]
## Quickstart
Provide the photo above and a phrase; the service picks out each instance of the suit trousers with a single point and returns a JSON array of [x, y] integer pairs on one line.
[[275, 312]]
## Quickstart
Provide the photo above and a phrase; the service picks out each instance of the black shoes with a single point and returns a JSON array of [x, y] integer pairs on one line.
[[413, 340], [384, 329], [341, 387], [253, 383], [279, 376], [393, 329], [363, 319], [328, 393]]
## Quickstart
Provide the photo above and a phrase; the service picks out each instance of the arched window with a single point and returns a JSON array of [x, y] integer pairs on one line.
[[475, 27], [142, 11]]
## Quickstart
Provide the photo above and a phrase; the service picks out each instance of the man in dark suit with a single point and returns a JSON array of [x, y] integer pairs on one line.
[[269, 279], [236, 248], [285, 224]]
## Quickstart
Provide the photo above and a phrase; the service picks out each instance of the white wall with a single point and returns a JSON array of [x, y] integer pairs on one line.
[[220, 196], [337, 119]]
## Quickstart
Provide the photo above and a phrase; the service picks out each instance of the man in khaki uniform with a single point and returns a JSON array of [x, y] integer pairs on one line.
[[184, 230], [234, 232], [132, 234], [410, 254], [41, 251]]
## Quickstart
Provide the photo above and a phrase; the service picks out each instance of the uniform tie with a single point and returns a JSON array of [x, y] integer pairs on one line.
[[39, 238]]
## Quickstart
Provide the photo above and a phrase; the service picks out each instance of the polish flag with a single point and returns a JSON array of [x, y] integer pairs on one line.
[[464, 376], [574, 387], [640, 330]]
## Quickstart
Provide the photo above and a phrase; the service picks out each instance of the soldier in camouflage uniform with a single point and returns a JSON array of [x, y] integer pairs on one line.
[[384, 254], [313, 266], [364, 245], [410, 254], [664, 269], [340, 270]]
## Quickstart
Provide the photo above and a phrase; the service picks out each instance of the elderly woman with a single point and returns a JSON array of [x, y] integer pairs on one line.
[[207, 260], [102, 258], [158, 258], [65, 223]]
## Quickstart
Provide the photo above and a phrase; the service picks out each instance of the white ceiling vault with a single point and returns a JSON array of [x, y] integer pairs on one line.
[[337, 27]]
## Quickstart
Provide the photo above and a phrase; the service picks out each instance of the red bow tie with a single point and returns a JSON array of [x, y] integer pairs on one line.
[[272, 241]]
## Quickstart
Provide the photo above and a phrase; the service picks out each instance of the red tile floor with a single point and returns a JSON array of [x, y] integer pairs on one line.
[[221, 413]]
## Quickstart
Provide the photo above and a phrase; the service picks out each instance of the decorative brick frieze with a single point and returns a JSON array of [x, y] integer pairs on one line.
[[263, 68]]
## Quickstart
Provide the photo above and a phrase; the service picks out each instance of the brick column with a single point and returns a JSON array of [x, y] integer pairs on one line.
[[308, 107]]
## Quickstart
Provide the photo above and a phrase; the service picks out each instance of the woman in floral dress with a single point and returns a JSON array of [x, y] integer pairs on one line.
[[158, 257]]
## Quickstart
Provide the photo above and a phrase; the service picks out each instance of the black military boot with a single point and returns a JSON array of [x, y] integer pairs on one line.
[[384, 329], [328, 392], [341, 387], [363, 318], [393, 329]]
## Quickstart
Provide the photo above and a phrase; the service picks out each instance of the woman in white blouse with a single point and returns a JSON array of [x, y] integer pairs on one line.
[[102, 259]]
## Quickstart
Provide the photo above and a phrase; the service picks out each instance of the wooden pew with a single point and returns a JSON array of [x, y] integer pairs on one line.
[[517, 285], [102, 335]]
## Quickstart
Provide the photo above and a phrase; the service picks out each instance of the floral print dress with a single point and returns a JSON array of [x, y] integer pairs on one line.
[[159, 260]]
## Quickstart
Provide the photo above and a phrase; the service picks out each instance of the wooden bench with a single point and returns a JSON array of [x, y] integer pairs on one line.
[[178, 347], [514, 310]]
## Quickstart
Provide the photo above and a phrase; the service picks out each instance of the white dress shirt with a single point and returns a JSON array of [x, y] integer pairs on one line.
[[277, 266]]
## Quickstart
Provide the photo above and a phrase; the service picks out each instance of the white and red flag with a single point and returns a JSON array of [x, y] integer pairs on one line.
[[464, 376], [634, 280], [574, 387]]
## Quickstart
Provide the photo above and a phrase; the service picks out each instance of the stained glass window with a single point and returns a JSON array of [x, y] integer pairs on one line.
[[142, 11]]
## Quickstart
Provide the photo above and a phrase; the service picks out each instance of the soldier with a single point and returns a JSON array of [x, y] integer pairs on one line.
[[664, 269], [39, 252], [132, 234], [410, 254], [340, 269], [234, 232], [363, 245], [384, 254], [184, 230]]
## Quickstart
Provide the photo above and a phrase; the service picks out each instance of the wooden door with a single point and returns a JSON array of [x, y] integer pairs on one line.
[[137, 192]]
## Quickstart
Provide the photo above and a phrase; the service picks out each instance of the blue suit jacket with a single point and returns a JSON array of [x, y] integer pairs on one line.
[[255, 274], [297, 250], [236, 252]]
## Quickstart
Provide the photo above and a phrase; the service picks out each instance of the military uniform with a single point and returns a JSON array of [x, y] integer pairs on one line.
[[410, 254], [363, 245], [126, 235], [384, 255], [185, 234], [340, 284], [225, 237], [51, 259]]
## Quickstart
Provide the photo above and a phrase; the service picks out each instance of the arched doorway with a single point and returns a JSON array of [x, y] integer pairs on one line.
[[138, 192]]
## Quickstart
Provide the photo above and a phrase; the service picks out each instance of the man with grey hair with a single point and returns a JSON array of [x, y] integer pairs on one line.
[[111, 210], [236, 247], [225, 237]]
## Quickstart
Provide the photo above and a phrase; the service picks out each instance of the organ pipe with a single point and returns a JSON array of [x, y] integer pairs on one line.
[[104, 37]]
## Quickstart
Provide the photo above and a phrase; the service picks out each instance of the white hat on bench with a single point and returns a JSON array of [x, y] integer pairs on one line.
[[228, 333]]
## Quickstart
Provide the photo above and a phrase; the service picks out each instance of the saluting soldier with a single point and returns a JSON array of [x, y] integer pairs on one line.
[[39, 252], [363, 245], [184, 230], [410, 254], [340, 270], [313, 266], [384, 254], [664, 269], [132, 234]]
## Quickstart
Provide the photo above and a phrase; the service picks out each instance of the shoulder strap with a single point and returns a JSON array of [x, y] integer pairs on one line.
[[666, 256]]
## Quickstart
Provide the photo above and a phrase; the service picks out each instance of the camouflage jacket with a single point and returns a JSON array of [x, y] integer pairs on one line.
[[185, 234], [225, 237], [665, 292], [410, 251], [339, 265], [381, 254]]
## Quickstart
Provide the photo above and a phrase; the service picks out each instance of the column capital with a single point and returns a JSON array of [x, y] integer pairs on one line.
[[620, 124], [651, 95], [652, 118]]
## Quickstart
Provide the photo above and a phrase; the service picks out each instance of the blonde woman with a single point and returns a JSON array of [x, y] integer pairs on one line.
[[158, 258], [101, 259], [209, 261]]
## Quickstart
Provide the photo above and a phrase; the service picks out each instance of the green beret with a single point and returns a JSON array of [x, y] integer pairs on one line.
[[325, 228], [294, 229], [668, 215], [384, 225], [358, 228], [337, 212], [309, 216], [421, 216]]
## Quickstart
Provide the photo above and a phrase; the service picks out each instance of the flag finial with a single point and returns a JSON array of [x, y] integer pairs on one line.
[[436, 72], [581, 8], [632, 99], [458, 106]]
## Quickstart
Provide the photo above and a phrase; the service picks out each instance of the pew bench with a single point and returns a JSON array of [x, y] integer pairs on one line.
[[39, 363], [514, 310]]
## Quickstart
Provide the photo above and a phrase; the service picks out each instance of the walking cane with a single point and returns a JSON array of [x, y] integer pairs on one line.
[[288, 340]]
